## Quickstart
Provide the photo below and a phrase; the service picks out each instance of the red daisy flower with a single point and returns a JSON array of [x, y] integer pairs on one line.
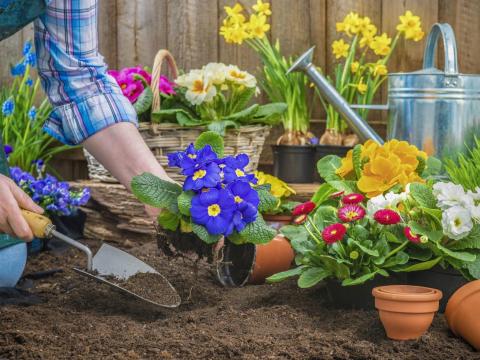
[[387, 217], [333, 233], [411, 235], [353, 198], [299, 220], [337, 194], [350, 213], [303, 209]]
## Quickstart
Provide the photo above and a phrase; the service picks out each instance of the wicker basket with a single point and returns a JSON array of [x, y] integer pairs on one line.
[[166, 138]]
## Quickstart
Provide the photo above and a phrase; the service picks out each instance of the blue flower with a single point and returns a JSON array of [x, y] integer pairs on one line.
[[314, 140], [40, 167], [32, 113], [234, 169], [194, 159], [8, 107], [31, 59], [7, 149], [27, 47], [29, 82], [18, 70], [214, 209], [246, 200], [204, 176]]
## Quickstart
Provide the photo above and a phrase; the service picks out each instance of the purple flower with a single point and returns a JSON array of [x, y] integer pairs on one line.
[[234, 169], [314, 140], [203, 176], [7, 149], [194, 159], [246, 200], [165, 86]]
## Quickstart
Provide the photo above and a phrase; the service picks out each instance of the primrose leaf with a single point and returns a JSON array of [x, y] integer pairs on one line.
[[153, 191], [312, 276], [421, 165], [357, 160], [268, 202], [474, 268], [425, 265], [219, 127], [213, 139], [185, 202], [247, 113], [204, 235], [471, 241], [269, 114], [327, 167], [323, 193], [365, 249], [359, 280], [285, 274], [258, 232], [459, 255], [423, 195], [169, 220], [144, 101], [433, 166]]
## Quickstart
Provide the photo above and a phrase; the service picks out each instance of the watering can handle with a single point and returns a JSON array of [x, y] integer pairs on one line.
[[449, 45]]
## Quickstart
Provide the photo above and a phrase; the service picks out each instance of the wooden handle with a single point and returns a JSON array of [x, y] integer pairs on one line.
[[39, 224], [157, 72]]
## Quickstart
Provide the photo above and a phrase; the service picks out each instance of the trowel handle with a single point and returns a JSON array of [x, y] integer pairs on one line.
[[40, 225]]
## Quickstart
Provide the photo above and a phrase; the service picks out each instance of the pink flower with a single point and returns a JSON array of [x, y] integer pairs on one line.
[[333, 233], [165, 86], [387, 217], [350, 213], [303, 209], [353, 198], [411, 235], [131, 87], [138, 70]]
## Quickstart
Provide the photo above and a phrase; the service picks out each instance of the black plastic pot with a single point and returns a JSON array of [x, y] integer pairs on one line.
[[176, 243], [294, 163], [236, 265], [359, 296], [447, 280], [324, 150]]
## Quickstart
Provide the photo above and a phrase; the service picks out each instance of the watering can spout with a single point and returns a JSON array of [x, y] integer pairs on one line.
[[357, 124]]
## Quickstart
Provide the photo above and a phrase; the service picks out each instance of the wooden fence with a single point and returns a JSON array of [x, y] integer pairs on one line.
[[130, 33]]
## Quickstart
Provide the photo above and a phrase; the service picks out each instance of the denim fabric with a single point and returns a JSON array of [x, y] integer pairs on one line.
[[12, 264]]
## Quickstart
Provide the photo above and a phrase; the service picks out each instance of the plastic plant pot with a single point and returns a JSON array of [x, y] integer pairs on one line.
[[406, 311], [294, 163], [462, 313], [277, 221], [324, 150], [252, 264]]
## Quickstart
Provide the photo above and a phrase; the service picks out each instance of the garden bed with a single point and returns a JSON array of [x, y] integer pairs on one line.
[[80, 319]]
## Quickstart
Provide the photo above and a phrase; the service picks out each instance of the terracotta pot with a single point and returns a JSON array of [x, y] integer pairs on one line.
[[462, 313], [277, 221], [252, 264], [406, 311]]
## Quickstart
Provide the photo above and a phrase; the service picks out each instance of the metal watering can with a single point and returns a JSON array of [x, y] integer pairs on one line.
[[438, 111]]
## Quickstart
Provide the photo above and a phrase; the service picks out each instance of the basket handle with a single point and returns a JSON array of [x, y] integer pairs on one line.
[[157, 72]]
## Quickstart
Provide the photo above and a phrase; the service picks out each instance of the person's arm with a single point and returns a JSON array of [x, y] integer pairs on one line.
[[89, 107]]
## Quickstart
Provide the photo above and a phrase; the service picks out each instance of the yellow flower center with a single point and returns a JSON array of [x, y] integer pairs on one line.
[[198, 86], [351, 215], [237, 75], [457, 222], [214, 210], [192, 156], [239, 173], [238, 199], [199, 174], [333, 232]]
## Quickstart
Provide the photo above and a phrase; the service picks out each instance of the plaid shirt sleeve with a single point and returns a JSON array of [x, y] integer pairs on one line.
[[74, 75]]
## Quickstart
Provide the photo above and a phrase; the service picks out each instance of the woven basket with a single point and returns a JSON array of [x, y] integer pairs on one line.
[[166, 138]]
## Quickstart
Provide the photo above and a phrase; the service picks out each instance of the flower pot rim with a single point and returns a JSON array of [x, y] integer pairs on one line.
[[278, 217], [407, 293], [457, 298], [326, 146]]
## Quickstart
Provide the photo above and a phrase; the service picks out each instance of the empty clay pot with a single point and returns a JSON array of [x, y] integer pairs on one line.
[[462, 313], [406, 311]]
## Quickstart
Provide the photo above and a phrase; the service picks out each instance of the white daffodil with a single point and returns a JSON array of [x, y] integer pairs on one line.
[[456, 222], [216, 72], [450, 194], [199, 86], [234, 74]]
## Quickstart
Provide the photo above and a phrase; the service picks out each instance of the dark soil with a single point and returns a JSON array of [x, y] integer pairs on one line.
[[80, 319]]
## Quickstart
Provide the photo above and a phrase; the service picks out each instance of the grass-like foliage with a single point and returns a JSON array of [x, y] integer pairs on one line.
[[465, 170]]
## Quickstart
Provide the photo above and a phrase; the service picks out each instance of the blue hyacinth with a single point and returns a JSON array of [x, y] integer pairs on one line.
[[31, 59], [8, 107], [32, 113], [18, 70], [7, 149], [29, 82], [27, 47]]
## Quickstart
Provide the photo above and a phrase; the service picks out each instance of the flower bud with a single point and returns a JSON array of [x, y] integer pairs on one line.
[[354, 255], [424, 239]]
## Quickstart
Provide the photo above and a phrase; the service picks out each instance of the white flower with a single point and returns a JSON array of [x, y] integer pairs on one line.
[[199, 86], [240, 77], [474, 195], [389, 201], [475, 213], [407, 189], [216, 72], [450, 194], [456, 222]]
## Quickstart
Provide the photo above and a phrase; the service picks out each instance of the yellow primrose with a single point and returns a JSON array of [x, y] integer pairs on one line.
[[340, 48], [278, 188], [379, 69], [258, 26], [362, 87], [410, 26], [262, 8], [368, 149], [381, 44], [354, 66], [407, 153]]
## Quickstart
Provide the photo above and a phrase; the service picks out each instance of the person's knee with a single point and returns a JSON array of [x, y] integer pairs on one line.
[[12, 264]]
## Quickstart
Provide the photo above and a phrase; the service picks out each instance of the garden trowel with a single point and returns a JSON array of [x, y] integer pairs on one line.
[[108, 263]]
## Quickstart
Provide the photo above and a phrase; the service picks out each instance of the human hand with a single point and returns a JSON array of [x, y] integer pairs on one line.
[[12, 199]]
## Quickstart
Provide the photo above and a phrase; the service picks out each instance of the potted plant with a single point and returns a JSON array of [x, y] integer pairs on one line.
[[293, 154], [362, 56]]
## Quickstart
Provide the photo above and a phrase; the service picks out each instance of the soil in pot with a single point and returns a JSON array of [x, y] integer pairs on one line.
[[359, 296], [293, 163], [462, 313], [324, 150], [446, 280], [406, 311]]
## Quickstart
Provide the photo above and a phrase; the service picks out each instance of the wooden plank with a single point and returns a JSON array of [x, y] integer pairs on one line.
[[126, 33], [107, 31], [192, 32], [10, 53]]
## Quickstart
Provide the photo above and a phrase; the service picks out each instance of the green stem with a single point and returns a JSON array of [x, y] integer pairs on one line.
[[396, 250]]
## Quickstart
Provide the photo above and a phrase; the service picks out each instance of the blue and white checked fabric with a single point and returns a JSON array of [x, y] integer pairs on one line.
[[74, 75]]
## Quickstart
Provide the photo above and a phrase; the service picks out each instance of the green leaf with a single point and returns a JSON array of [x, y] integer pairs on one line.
[[434, 236], [323, 193], [419, 253], [213, 139], [425, 265], [312, 276], [471, 241], [153, 191], [433, 166], [364, 248], [243, 98], [327, 167], [269, 114], [203, 234], [357, 160], [423, 195], [258, 232], [184, 119], [247, 113], [348, 186], [459, 255], [359, 280], [324, 215], [169, 220], [144, 101], [185, 202], [339, 270], [285, 274], [267, 200], [421, 165], [400, 258], [474, 268], [220, 126]]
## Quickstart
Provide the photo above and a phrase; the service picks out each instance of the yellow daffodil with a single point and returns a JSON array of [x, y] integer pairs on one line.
[[379, 69], [341, 26], [278, 188], [352, 23], [411, 26], [258, 26], [362, 87], [354, 67], [262, 8], [234, 32], [381, 44], [235, 11], [366, 28], [340, 48], [365, 41]]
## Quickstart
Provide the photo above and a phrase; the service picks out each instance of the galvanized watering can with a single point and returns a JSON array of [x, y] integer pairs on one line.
[[438, 111]]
